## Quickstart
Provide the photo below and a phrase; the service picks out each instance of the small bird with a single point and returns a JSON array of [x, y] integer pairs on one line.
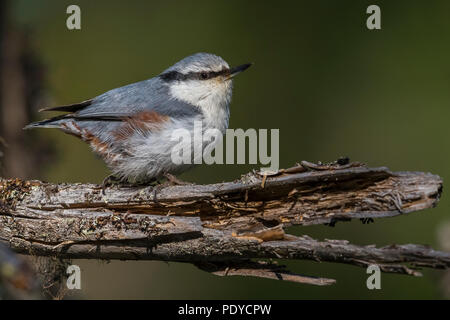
[[130, 127]]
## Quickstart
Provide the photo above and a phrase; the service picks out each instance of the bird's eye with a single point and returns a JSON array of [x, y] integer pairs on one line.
[[203, 75]]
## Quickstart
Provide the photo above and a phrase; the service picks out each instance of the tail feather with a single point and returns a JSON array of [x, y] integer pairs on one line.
[[55, 121]]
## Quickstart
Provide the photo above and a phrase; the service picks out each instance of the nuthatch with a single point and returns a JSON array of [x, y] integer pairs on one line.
[[130, 127]]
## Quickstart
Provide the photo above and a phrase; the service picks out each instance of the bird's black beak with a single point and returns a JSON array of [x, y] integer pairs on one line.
[[236, 70]]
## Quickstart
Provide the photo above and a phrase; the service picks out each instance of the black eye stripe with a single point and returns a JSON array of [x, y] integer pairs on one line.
[[171, 76], [178, 76]]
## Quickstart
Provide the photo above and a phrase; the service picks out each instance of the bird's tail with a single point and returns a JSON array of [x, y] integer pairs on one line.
[[56, 122]]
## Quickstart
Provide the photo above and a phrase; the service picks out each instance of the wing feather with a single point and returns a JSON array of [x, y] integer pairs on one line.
[[70, 107], [121, 103]]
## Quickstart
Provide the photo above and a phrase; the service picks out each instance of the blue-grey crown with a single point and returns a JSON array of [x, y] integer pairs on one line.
[[199, 62]]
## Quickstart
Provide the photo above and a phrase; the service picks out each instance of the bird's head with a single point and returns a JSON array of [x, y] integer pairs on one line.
[[202, 79]]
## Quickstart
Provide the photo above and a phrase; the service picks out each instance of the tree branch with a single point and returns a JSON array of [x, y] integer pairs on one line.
[[220, 227]]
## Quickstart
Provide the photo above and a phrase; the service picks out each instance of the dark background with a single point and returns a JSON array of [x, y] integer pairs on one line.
[[332, 87]]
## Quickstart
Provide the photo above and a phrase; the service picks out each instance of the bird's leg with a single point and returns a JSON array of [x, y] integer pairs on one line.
[[171, 179], [156, 189], [109, 181], [112, 180]]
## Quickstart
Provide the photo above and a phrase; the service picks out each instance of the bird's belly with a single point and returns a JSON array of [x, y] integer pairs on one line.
[[143, 158]]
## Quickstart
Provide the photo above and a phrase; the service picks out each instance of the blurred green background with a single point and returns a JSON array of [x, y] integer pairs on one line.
[[332, 87]]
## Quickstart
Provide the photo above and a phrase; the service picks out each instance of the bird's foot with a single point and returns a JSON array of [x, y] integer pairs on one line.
[[172, 180], [112, 180], [109, 181]]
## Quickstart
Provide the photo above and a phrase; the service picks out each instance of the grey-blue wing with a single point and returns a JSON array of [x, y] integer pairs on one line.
[[118, 104], [99, 120], [147, 95]]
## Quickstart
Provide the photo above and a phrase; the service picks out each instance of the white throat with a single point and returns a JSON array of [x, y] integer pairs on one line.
[[212, 96]]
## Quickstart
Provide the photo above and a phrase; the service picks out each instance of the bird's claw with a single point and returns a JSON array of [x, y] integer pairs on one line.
[[109, 181], [172, 180]]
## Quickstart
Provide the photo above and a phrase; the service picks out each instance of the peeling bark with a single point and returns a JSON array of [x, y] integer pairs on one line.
[[221, 226]]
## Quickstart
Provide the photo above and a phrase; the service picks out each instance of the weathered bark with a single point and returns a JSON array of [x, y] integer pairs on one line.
[[219, 227]]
